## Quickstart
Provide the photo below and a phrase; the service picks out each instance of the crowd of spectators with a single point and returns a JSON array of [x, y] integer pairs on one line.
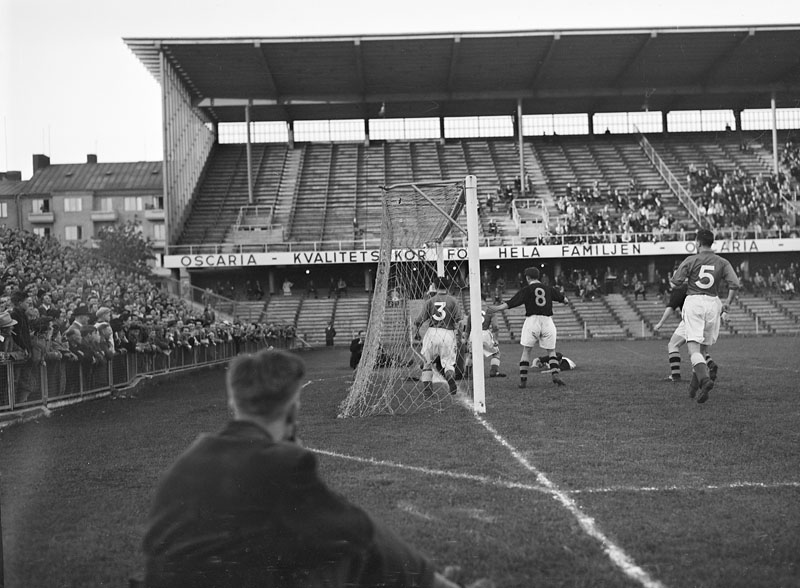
[[748, 206], [64, 303], [774, 280], [790, 159]]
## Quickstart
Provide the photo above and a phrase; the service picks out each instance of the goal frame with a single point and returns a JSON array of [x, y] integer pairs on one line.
[[470, 203]]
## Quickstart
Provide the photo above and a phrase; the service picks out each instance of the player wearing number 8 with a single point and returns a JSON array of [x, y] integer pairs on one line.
[[538, 327], [704, 272]]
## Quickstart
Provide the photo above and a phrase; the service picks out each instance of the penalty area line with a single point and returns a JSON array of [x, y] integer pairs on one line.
[[614, 552]]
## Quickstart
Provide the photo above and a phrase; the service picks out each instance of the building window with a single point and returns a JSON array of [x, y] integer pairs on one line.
[[3, 209], [73, 233], [105, 205], [132, 203], [41, 231], [40, 205], [159, 232], [73, 205]]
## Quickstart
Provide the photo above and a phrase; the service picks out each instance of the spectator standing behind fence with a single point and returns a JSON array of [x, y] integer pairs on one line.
[[287, 287], [247, 507]]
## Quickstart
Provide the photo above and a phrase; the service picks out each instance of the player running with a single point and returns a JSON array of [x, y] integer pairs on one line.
[[704, 272], [677, 297], [442, 314], [538, 327]]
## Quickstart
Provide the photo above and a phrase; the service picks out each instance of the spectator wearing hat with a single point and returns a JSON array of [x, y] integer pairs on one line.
[[25, 380], [9, 350], [102, 315], [44, 353], [80, 317]]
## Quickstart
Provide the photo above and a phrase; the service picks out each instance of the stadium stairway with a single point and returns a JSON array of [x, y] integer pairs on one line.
[[772, 318], [632, 321], [350, 316], [598, 320], [282, 310], [651, 311], [313, 316], [790, 308], [249, 310]]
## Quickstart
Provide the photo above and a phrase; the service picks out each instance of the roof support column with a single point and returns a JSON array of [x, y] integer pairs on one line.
[[522, 182], [290, 129], [664, 121], [249, 157], [441, 128], [366, 132], [774, 135], [590, 120]]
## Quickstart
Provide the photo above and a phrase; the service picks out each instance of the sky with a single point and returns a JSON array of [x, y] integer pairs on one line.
[[69, 85]]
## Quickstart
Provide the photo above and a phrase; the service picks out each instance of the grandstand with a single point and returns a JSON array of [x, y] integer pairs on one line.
[[338, 117]]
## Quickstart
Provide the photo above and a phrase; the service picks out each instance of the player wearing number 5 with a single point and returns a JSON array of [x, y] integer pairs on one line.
[[442, 314], [538, 327], [704, 272]]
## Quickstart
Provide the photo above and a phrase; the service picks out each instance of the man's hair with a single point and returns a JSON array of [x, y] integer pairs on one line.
[[705, 237], [264, 383], [532, 272], [18, 296]]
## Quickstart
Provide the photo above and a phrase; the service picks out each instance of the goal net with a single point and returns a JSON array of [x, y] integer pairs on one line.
[[429, 237]]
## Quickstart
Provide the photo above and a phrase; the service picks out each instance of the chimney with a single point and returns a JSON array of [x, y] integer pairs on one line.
[[12, 176], [91, 158], [40, 162]]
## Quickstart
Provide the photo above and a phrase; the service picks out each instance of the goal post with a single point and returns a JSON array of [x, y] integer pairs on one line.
[[430, 232]]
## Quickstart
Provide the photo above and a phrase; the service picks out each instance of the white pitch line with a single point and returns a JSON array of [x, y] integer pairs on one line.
[[510, 485], [731, 486], [429, 471], [615, 553]]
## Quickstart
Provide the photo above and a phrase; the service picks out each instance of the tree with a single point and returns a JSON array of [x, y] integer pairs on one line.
[[124, 247]]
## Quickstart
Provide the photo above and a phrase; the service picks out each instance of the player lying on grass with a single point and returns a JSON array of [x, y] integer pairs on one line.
[[247, 507], [565, 364], [538, 326], [677, 297]]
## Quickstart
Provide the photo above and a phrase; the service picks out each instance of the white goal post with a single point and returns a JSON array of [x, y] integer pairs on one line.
[[423, 224]]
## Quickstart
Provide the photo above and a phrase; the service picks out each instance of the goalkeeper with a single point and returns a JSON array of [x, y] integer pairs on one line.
[[491, 348]]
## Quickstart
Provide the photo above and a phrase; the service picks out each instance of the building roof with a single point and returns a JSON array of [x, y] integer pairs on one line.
[[11, 187], [95, 177], [481, 74]]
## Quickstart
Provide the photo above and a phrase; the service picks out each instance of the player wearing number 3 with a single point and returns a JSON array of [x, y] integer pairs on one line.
[[704, 272], [442, 314], [538, 327]]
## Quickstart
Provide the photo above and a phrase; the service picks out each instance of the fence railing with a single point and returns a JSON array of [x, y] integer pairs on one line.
[[24, 384]]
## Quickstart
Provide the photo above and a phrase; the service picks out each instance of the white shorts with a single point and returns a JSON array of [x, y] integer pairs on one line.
[[490, 346], [538, 329], [701, 318], [440, 343], [678, 337]]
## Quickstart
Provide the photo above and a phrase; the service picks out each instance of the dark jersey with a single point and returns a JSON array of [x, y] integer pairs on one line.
[[441, 311], [537, 298], [677, 297], [705, 272]]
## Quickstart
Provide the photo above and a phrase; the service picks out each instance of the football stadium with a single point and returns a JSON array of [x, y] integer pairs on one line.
[[334, 198]]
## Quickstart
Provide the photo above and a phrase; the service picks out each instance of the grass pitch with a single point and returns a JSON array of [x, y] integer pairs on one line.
[[617, 479]]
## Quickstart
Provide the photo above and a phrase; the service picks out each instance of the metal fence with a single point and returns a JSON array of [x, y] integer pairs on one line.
[[24, 384]]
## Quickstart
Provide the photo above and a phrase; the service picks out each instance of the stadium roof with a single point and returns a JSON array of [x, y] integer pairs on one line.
[[141, 175], [483, 74]]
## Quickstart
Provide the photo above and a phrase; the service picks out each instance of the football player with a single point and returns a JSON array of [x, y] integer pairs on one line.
[[442, 314]]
